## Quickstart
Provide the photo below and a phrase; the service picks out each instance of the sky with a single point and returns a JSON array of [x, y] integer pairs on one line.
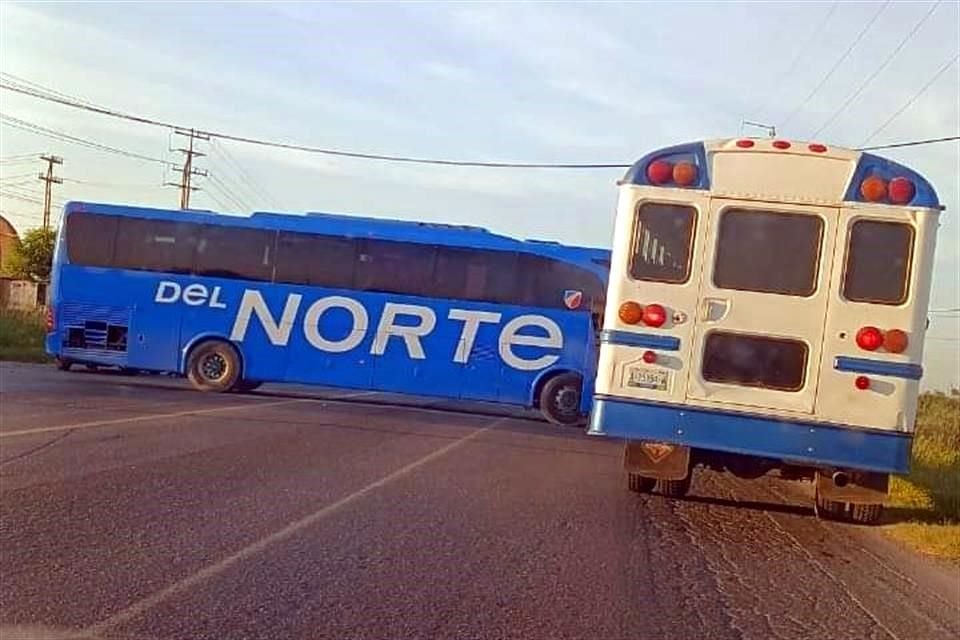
[[530, 82]]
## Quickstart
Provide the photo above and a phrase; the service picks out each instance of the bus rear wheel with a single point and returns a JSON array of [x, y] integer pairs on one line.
[[560, 399], [213, 366], [640, 484], [675, 488], [63, 364]]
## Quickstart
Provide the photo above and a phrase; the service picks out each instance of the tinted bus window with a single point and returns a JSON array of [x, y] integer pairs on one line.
[[395, 267], [90, 239], [662, 243], [878, 262], [755, 361], [501, 277], [544, 281], [155, 245], [769, 252], [323, 261], [225, 252], [459, 274]]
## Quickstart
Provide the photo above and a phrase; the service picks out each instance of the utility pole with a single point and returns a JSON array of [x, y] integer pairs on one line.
[[50, 180], [187, 171]]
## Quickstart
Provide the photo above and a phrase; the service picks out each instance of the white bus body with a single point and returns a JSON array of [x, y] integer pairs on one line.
[[766, 309]]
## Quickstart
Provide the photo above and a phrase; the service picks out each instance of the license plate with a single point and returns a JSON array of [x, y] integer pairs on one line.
[[655, 379]]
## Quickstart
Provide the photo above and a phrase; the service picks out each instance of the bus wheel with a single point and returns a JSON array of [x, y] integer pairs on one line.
[[560, 399], [213, 366], [245, 386], [675, 488], [63, 364], [640, 484], [866, 513]]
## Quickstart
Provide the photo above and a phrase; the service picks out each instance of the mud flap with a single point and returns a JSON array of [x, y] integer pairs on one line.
[[657, 460], [863, 487]]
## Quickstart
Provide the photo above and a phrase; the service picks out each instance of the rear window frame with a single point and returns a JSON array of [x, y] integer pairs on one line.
[[691, 244], [820, 253], [733, 335], [908, 275]]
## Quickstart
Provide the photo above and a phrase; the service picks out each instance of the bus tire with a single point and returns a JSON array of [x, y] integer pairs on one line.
[[63, 364], [640, 484], [246, 386], [560, 399], [830, 509], [866, 513], [213, 366], [674, 488]]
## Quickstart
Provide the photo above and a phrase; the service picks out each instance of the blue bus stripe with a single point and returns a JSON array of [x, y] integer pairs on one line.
[[646, 340], [906, 370]]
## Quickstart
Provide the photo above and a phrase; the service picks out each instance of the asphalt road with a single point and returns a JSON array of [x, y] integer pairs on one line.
[[136, 508]]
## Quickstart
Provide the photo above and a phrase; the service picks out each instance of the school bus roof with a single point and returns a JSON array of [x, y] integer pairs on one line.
[[783, 170]]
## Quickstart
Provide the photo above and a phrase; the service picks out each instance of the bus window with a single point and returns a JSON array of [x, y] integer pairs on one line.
[[395, 267], [230, 252], [500, 277], [878, 262], [90, 239], [324, 261], [662, 243], [754, 361], [155, 245], [459, 274], [769, 252]]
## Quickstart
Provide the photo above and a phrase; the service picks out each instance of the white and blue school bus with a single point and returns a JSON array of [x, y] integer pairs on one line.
[[766, 310]]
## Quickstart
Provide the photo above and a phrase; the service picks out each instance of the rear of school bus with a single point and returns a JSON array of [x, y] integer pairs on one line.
[[766, 311]]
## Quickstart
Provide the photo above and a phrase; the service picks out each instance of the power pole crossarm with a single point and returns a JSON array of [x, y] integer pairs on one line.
[[187, 172], [50, 180]]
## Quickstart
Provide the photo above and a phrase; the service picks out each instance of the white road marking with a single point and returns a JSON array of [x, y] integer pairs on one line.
[[137, 608], [176, 414]]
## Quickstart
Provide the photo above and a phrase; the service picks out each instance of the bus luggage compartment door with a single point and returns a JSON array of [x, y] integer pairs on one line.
[[763, 298]]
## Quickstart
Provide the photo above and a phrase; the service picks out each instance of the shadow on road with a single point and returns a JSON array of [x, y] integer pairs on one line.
[[753, 505]]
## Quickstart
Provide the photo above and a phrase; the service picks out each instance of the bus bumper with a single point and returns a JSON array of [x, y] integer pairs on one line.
[[810, 443]]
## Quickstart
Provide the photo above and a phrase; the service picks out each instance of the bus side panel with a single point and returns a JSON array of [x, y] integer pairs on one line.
[[424, 367], [890, 402]]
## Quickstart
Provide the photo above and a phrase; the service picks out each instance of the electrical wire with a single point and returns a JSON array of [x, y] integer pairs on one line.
[[909, 103], [399, 158], [863, 85], [246, 179], [836, 65]]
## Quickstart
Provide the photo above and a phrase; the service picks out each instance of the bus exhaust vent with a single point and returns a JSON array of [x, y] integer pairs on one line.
[[96, 330]]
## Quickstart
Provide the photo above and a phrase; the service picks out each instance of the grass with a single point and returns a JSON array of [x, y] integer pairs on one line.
[[21, 336], [924, 507]]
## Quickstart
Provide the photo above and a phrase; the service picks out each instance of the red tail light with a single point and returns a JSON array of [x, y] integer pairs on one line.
[[654, 315], [49, 320], [630, 312], [869, 338], [660, 172], [649, 357], [901, 191], [862, 383]]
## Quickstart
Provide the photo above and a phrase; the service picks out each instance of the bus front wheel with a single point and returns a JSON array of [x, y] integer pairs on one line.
[[560, 399], [213, 366]]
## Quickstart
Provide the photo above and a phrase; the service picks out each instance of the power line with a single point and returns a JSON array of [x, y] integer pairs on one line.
[[912, 143], [31, 127], [305, 148], [228, 193], [806, 48], [397, 158], [246, 179], [863, 85], [837, 64], [913, 99]]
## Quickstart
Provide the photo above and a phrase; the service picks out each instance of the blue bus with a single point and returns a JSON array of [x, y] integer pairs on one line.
[[390, 306]]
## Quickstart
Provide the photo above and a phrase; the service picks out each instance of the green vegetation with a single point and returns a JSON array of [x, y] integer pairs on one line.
[[32, 259], [21, 336], [924, 507]]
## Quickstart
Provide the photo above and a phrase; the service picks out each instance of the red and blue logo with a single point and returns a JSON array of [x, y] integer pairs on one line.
[[573, 298]]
